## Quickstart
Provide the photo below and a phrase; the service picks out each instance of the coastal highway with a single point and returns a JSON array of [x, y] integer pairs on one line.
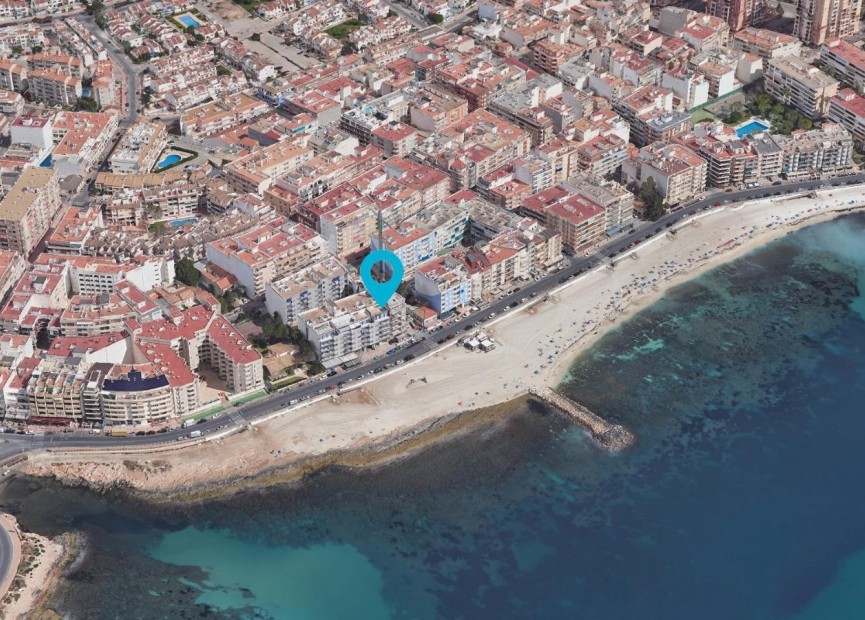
[[15, 445]]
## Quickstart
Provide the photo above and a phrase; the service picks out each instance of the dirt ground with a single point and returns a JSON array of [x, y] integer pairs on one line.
[[228, 11]]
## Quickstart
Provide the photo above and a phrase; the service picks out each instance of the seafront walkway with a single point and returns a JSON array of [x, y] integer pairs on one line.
[[10, 553], [613, 437]]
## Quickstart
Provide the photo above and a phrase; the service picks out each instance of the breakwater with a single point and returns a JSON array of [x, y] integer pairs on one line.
[[613, 437]]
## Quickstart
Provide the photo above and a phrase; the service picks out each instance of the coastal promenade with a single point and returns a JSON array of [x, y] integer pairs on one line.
[[613, 437], [10, 553], [553, 320]]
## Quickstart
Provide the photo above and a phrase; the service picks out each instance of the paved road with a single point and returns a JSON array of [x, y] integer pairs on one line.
[[408, 14], [6, 557], [12, 445], [129, 68]]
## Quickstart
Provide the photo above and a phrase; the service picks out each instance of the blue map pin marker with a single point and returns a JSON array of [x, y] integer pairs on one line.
[[381, 292]]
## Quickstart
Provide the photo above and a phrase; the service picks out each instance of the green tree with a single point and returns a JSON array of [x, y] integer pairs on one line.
[[255, 37], [220, 70], [652, 199], [436, 18], [348, 48], [185, 271], [315, 368], [86, 104], [407, 291]]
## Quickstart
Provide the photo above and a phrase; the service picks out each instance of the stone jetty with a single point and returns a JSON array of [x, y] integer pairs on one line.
[[613, 437]]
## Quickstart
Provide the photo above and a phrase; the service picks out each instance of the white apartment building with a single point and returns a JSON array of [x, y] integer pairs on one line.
[[794, 82], [53, 87], [307, 289], [139, 148], [341, 329]]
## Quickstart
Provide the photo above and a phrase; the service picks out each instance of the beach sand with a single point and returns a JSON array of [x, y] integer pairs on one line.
[[535, 346]]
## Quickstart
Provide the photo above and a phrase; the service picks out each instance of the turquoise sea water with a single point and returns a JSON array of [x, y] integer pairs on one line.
[[743, 497]]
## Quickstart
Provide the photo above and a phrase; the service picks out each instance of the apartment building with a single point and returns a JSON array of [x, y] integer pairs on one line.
[[848, 110], [12, 266], [59, 63], [221, 114], [257, 171], [473, 147], [148, 393], [11, 103], [13, 76], [81, 139], [641, 106], [477, 80], [74, 229], [770, 157], [343, 328], [679, 173], [53, 87], [616, 201], [731, 160], [306, 289], [174, 202], [394, 138], [691, 88], [846, 59], [411, 242], [347, 228], [227, 352], [549, 56], [139, 149], [266, 253], [601, 156], [819, 20], [819, 151], [26, 211], [54, 392], [580, 221], [794, 82], [446, 283], [200, 335], [521, 106], [738, 14], [765, 44], [435, 108]]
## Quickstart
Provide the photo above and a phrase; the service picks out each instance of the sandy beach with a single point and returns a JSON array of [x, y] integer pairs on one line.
[[535, 346]]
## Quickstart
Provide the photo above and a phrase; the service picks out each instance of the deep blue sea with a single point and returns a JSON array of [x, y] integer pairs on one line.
[[743, 498]]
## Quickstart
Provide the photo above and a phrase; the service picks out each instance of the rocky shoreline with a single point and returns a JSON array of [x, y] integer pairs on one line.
[[383, 452]]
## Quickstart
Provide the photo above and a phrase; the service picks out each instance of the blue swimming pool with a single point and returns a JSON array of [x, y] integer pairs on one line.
[[751, 127], [170, 159], [188, 20], [179, 223]]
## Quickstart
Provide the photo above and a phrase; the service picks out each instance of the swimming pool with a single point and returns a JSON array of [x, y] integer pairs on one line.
[[179, 223], [751, 127], [189, 20], [169, 160]]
